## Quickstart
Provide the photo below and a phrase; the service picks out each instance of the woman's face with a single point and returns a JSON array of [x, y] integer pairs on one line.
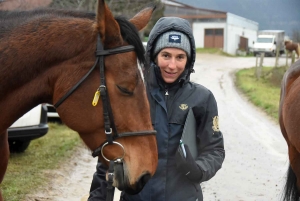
[[172, 62]]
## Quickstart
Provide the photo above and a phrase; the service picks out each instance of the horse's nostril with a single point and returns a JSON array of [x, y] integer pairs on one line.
[[139, 185], [145, 178], [142, 182]]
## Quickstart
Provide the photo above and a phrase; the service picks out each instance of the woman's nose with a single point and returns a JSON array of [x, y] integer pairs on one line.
[[172, 63]]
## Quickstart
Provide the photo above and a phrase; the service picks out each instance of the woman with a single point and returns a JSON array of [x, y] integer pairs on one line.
[[171, 55]]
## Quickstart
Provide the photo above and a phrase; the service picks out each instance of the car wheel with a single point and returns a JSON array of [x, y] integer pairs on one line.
[[18, 146]]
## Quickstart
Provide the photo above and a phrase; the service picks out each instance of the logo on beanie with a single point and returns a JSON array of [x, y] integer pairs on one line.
[[174, 38]]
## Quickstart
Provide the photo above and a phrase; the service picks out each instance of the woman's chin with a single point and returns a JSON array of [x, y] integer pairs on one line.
[[169, 79]]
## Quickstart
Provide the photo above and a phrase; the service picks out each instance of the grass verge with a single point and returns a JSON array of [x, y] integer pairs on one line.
[[213, 51], [25, 170], [263, 92]]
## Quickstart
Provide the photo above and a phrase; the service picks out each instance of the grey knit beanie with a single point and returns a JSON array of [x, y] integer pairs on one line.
[[173, 39]]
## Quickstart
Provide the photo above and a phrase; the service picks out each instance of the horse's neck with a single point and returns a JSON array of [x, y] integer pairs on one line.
[[291, 75], [21, 99], [30, 61], [25, 79]]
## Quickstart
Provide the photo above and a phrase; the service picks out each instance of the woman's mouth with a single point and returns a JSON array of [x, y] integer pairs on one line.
[[171, 74]]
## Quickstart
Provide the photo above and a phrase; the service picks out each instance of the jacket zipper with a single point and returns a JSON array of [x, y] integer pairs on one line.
[[166, 95]]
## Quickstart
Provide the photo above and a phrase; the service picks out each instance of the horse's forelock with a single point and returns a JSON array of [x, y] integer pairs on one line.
[[131, 35]]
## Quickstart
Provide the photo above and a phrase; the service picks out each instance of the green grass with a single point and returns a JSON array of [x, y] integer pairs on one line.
[[25, 170], [213, 51], [263, 92]]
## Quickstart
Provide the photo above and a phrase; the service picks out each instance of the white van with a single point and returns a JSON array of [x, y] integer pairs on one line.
[[32, 125]]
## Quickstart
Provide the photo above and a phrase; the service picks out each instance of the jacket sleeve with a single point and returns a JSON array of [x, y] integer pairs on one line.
[[99, 184], [210, 140]]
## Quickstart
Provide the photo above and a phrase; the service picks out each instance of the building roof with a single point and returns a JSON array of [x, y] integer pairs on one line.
[[177, 9]]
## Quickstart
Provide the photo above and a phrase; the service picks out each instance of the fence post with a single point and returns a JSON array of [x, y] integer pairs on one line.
[[256, 66], [259, 68], [293, 57], [277, 56], [286, 59]]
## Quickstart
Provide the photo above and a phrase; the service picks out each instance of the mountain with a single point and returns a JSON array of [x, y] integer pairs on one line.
[[270, 14]]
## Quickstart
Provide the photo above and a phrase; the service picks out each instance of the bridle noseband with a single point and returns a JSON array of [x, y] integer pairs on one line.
[[109, 124]]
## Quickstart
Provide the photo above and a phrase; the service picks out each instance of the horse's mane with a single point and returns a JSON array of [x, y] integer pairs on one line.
[[130, 34]]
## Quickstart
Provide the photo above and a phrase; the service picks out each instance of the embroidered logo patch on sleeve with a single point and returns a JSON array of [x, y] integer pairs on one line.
[[215, 126]]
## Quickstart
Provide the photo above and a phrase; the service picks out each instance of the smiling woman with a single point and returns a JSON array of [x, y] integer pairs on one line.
[[170, 59]]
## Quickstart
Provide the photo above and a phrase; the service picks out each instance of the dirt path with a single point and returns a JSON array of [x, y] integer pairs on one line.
[[71, 181], [256, 154]]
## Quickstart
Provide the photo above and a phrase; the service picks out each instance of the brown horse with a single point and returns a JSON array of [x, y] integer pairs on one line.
[[289, 115], [290, 47], [43, 55]]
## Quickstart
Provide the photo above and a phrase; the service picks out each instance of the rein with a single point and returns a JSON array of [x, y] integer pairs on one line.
[[109, 125]]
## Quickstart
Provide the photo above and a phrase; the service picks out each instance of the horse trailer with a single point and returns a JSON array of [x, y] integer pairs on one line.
[[268, 41]]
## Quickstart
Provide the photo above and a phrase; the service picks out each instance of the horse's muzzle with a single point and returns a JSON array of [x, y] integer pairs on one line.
[[122, 180], [139, 185]]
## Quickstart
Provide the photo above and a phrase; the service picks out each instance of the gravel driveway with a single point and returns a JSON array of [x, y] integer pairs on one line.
[[256, 153]]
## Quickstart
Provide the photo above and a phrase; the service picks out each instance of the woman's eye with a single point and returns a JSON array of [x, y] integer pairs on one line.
[[125, 91], [181, 57]]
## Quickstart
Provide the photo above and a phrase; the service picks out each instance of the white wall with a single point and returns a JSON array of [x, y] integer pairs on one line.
[[238, 26], [233, 38], [234, 27]]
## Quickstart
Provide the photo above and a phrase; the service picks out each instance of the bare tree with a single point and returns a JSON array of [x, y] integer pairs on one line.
[[296, 36], [23, 4], [119, 7], [88, 5], [127, 8]]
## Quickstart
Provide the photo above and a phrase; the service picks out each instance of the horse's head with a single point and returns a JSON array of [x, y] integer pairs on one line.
[[286, 42], [124, 89]]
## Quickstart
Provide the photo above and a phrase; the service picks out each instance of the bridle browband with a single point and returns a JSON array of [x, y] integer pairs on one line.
[[109, 125]]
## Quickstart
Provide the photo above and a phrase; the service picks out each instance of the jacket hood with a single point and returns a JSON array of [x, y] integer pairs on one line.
[[163, 25]]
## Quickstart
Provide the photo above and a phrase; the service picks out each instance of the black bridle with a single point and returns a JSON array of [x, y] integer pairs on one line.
[[109, 124]]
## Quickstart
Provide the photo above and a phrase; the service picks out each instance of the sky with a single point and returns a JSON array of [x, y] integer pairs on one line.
[[270, 14]]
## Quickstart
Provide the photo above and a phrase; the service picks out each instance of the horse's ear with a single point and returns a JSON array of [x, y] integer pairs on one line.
[[141, 19], [106, 23]]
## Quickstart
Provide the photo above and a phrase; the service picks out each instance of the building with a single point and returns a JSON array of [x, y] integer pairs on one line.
[[215, 29]]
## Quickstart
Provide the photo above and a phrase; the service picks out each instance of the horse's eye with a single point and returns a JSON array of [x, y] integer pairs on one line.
[[125, 91]]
